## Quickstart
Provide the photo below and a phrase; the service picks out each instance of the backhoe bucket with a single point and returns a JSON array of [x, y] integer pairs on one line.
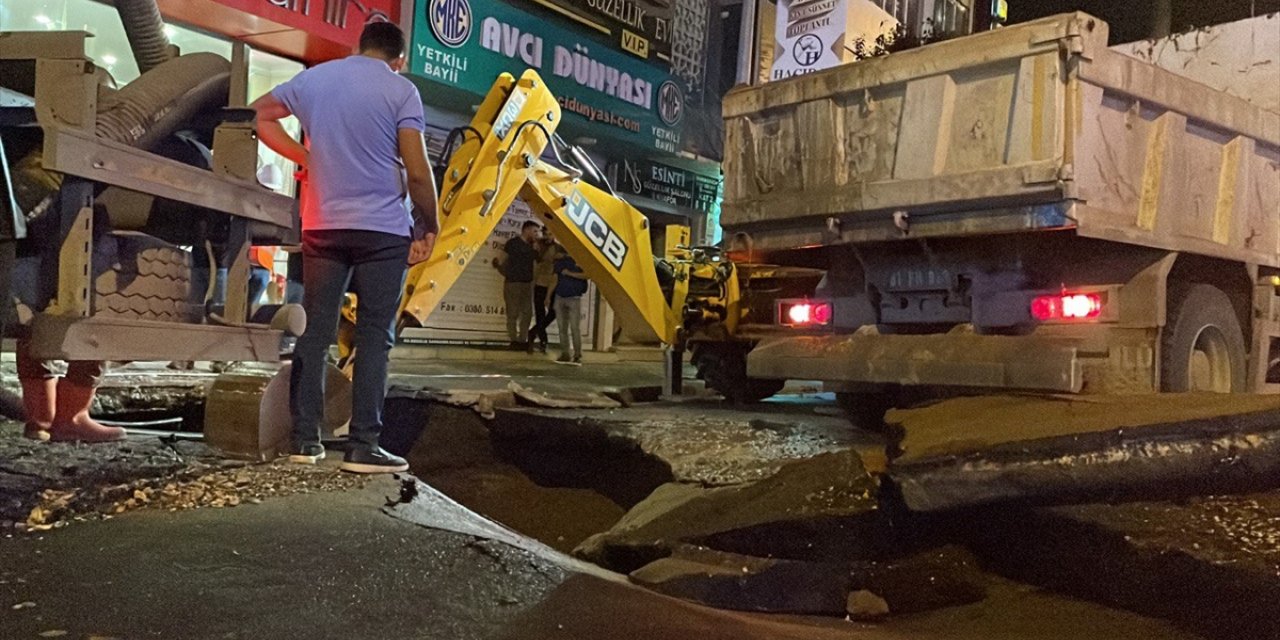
[[247, 415]]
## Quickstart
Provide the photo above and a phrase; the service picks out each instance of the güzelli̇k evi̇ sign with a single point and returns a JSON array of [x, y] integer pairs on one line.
[[467, 43]]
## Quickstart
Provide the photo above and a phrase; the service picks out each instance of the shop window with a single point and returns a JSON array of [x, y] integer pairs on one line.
[[267, 71], [109, 49]]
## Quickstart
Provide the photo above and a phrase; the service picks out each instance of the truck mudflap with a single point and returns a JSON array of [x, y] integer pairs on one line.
[[1031, 363]]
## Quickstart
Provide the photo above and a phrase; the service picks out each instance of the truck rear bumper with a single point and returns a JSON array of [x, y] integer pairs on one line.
[[1033, 363]]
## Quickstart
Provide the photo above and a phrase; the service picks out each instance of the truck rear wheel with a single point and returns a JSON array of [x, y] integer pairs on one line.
[[723, 366], [1202, 347], [866, 409]]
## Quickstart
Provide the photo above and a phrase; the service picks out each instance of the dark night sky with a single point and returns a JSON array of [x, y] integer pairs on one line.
[[1132, 19]]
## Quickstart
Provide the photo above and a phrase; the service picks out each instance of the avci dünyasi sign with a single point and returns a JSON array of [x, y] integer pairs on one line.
[[467, 43]]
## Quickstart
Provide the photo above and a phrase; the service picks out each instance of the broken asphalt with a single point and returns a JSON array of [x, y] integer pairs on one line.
[[347, 565]]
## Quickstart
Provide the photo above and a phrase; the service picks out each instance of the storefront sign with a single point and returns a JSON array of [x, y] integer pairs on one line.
[[335, 12], [466, 43], [809, 36], [308, 30], [675, 186], [640, 27]]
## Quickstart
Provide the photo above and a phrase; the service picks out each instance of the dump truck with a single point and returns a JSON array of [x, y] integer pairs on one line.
[[1022, 209]]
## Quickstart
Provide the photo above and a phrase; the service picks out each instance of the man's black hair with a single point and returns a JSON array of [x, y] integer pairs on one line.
[[382, 38], [530, 223]]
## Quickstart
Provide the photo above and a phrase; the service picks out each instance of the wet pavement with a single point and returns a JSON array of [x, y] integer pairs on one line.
[[491, 369], [1211, 563], [704, 441]]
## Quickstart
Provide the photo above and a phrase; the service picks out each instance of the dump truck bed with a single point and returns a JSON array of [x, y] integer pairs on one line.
[[1035, 126]]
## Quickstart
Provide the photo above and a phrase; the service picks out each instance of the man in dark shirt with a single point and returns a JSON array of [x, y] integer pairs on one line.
[[571, 284], [516, 264]]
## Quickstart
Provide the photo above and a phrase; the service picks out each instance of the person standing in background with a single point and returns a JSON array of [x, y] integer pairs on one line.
[[571, 284], [544, 283], [56, 405], [515, 263], [261, 273]]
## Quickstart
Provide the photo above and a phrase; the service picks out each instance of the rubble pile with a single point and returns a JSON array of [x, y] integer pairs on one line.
[[48, 485], [192, 488], [809, 539]]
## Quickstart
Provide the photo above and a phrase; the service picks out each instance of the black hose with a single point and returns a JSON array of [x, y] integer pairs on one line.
[[134, 115], [143, 113], [144, 27], [446, 152]]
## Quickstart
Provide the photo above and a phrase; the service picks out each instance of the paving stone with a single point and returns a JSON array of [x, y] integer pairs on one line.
[[812, 508]]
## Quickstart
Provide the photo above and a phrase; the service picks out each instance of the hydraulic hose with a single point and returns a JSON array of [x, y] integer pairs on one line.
[[141, 114], [152, 107], [144, 28]]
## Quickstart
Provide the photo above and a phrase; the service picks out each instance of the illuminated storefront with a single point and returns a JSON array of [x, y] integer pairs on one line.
[[283, 37]]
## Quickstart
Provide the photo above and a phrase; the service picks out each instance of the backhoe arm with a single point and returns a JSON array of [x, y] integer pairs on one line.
[[609, 239], [497, 160], [505, 138]]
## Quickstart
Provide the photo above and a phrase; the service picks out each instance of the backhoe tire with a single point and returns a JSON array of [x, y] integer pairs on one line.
[[723, 366], [1201, 346], [144, 278]]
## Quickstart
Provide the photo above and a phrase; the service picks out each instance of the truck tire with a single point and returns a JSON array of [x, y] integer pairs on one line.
[[723, 366], [1202, 347], [145, 279], [8, 257], [866, 409]]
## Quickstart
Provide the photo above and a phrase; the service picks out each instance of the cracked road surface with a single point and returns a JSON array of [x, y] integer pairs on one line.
[[345, 565]]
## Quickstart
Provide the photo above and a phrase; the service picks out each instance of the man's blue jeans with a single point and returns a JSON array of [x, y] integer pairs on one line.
[[374, 266]]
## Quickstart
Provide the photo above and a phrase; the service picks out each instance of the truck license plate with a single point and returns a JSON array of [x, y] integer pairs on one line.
[[921, 279]]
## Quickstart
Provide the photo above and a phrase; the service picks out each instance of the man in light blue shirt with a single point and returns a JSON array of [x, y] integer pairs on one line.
[[364, 123]]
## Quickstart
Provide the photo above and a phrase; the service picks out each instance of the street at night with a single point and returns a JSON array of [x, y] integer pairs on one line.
[[647, 319]]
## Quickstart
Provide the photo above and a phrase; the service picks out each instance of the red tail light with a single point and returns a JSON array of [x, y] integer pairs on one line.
[[1067, 306], [804, 313]]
